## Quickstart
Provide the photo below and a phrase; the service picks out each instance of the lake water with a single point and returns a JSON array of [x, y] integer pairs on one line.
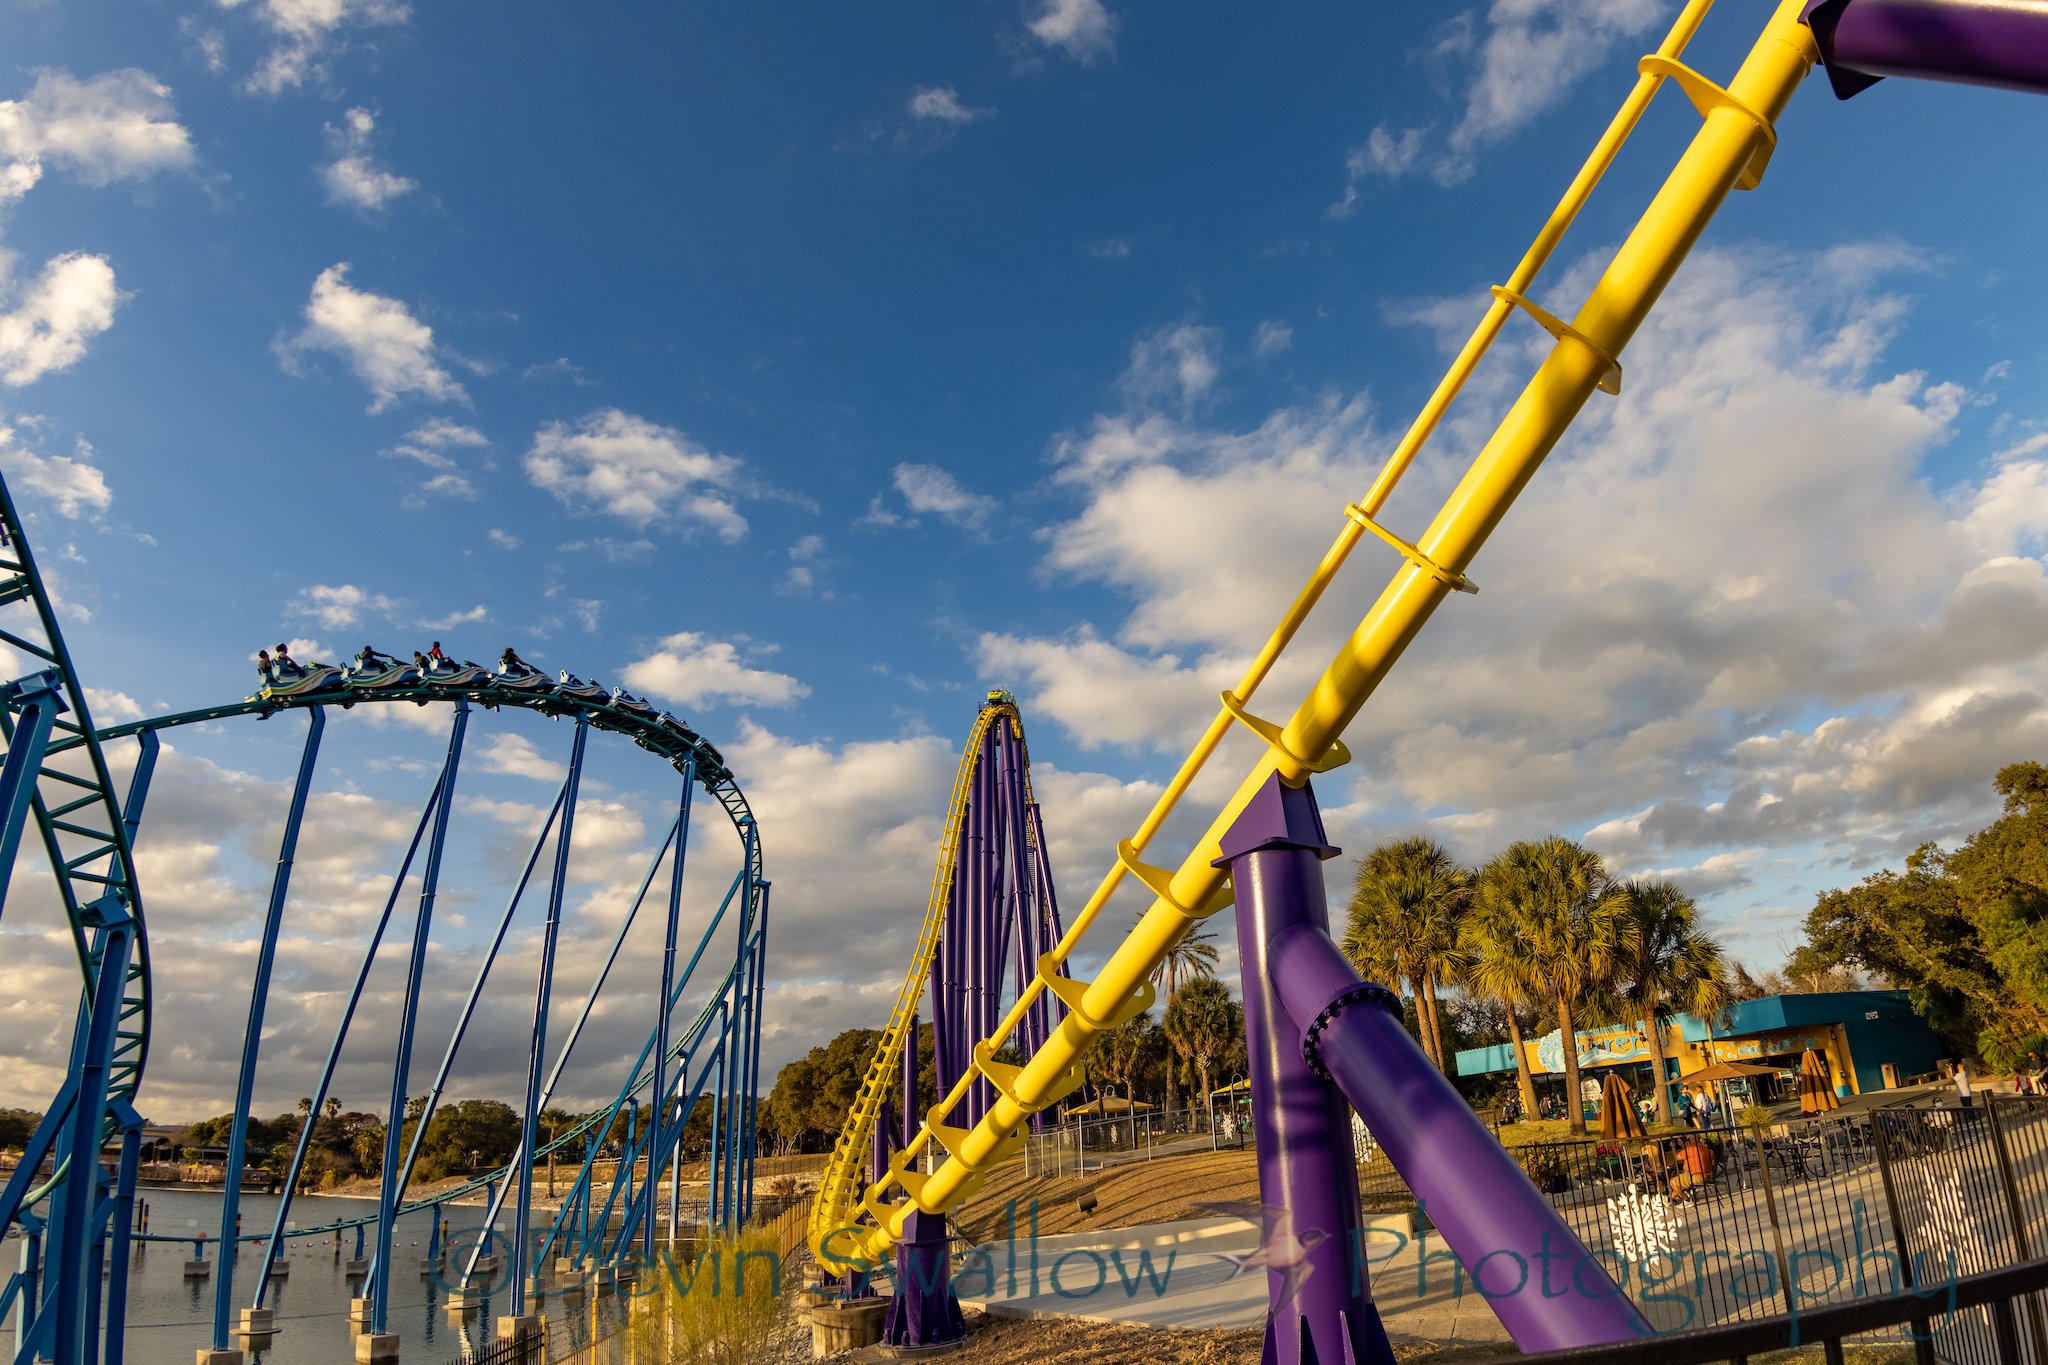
[[170, 1317]]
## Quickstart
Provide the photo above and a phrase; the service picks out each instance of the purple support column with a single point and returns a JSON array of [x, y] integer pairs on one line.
[[1545, 1287], [2001, 43], [1321, 1313], [925, 1311], [909, 1109]]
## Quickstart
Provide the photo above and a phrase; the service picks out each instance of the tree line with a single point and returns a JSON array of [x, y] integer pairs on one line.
[[1541, 933], [1964, 931]]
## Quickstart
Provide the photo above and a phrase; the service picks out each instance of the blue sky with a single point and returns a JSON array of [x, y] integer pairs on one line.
[[813, 372]]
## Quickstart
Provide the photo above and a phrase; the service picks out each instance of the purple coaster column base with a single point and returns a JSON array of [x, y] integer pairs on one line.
[[924, 1311], [1320, 1311]]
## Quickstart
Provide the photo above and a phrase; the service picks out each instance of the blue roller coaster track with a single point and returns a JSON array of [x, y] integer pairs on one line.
[[56, 768]]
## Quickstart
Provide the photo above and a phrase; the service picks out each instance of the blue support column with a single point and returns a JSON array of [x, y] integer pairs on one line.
[[123, 1222], [38, 700], [387, 1198], [656, 1147], [542, 994], [252, 1039], [750, 1124], [70, 1242], [348, 1014], [714, 1185]]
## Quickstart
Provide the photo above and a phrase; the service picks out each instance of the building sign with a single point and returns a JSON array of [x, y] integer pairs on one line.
[[1595, 1049], [1770, 1045]]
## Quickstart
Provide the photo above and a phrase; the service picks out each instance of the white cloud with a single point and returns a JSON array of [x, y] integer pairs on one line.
[[1531, 56], [940, 104], [117, 126], [928, 488], [690, 670], [339, 605], [70, 303], [561, 367], [638, 471], [353, 178], [516, 755], [503, 539], [807, 560], [430, 441], [1084, 29], [1178, 359], [1272, 338], [389, 349], [75, 487], [1108, 248], [1729, 615], [475, 614], [112, 708], [302, 32]]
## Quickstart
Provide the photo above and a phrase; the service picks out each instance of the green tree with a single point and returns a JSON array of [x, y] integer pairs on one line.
[[17, 1126], [1121, 1051], [1494, 965], [1406, 903], [1664, 964], [1565, 919], [1202, 1022], [1192, 956]]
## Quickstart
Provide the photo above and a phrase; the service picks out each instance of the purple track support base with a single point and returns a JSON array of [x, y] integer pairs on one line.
[[1321, 1313], [924, 1311], [1546, 1288]]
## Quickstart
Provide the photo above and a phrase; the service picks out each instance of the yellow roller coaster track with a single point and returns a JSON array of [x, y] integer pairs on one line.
[[1730, 151], [835, 1200]]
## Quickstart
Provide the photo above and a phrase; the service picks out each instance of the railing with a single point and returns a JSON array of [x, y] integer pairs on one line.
[[1077, 1146], [2009, 1300], [1792, 1216]]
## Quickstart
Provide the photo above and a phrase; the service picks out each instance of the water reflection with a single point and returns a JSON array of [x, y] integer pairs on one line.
[[170, 1315]]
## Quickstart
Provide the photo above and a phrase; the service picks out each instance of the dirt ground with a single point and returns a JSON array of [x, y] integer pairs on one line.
[[1127, 1196]]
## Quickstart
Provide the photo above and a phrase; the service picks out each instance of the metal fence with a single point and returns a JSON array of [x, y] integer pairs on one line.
[[1997, 1295], [1752, 1223], [1076, 1146]]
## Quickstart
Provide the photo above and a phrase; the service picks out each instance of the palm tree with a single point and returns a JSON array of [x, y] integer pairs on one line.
[[1123, 1047], [1191, 958], [1492, 964], [1566, 927], [1405, 908], [1202, 1022], [1664, 964]]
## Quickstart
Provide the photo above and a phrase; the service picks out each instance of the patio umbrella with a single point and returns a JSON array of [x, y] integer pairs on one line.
[[1816, 1090], [1618, 1117], [1110, 1104]]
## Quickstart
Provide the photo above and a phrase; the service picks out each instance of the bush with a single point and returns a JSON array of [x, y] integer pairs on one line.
[[722, 1313]]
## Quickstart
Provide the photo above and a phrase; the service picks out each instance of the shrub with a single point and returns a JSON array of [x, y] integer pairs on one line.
[[718, 1310]]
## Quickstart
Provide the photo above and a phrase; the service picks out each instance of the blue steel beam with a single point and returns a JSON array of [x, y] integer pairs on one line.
[[602, 1126], [380, 1299], [252, 1038], [753, 1081], [564, 800], [69, 1244], [39, 700], [542, 991], [668, 972], [348, 1014]]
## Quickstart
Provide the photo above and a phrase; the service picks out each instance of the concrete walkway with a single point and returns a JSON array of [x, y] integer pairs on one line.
[[1176, 1275]]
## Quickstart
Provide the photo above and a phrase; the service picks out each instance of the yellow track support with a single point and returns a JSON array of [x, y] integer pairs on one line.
[[1729, 151]]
